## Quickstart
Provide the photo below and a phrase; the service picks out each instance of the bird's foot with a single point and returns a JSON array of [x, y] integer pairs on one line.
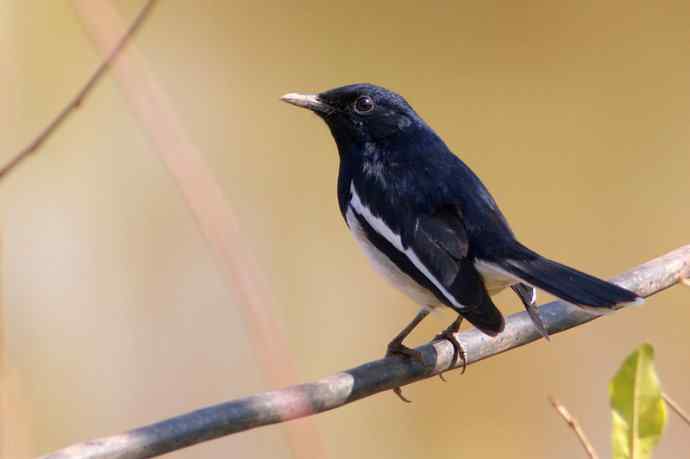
[[398, 392], [458, 351], [396, 348]]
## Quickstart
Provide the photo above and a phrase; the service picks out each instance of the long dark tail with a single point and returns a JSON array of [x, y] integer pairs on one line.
[[564, 282], [485, 317]]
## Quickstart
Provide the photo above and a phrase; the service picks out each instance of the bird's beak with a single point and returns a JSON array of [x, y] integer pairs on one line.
[[310, 101]]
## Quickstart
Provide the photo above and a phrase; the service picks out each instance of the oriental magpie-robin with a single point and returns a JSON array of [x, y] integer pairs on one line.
[[427, 222]]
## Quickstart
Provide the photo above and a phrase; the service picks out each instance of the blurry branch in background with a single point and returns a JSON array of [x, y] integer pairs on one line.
[[676, 408], [4, 373], [198, 185], [573, 424], [215, 218], [371, 378], [78, 99], [8, 379]]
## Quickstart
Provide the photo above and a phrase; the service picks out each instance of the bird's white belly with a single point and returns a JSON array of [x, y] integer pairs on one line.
[[387, 268], [495, 278]]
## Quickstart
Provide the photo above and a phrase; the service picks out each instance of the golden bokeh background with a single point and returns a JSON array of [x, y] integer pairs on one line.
[[115, 313]]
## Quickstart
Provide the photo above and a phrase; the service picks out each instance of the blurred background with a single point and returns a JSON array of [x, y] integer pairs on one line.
[[115, 312]]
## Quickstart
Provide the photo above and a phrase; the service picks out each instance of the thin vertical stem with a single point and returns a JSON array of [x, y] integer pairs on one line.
[[573, 424]]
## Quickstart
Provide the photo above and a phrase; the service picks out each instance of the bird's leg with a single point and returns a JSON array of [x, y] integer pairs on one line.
[[396, 346], [458, 351]]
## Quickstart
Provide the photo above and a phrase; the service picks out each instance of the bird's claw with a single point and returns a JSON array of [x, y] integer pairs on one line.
[[458, 351], [399, 349], [398, 392]]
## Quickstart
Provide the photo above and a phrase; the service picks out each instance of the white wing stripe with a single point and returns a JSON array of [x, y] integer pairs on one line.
[[380, 227]]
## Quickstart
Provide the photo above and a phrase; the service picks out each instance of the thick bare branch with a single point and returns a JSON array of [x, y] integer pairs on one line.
[[78, 99], [334, 391]]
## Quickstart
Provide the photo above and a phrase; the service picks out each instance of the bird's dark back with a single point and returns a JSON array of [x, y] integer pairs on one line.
[[415, 173]]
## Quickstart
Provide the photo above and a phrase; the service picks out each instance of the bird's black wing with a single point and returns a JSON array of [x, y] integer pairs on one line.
[[440, 242], [493, 242]]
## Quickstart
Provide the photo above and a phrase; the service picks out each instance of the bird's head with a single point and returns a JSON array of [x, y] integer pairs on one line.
[[360, 114]]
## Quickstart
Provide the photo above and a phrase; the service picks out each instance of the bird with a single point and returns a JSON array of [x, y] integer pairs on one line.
[[429, 225]]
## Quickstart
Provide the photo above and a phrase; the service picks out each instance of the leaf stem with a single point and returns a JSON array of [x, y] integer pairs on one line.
[[676, 408]]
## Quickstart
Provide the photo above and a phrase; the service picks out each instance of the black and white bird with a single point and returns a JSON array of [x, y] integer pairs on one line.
[[427, 222]]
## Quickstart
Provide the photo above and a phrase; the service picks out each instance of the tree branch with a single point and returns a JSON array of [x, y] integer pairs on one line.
[[676, 407], [78, 99], [348, 386], [573, 424]]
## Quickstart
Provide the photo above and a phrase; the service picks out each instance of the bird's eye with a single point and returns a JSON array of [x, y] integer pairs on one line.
[[364, 105]]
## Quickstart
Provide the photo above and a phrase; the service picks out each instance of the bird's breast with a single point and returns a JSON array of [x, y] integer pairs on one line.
[[383, 264]]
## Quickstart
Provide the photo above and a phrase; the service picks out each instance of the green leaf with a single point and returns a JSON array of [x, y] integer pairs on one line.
[[639, 412]]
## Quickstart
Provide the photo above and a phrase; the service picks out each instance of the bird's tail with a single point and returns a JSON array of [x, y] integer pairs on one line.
[[567, 283], [486, 317]]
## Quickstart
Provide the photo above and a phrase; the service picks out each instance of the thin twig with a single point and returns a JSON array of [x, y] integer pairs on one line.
[[155, 111], [78, 99], [676, 408], [363, 381], [572, 422]]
